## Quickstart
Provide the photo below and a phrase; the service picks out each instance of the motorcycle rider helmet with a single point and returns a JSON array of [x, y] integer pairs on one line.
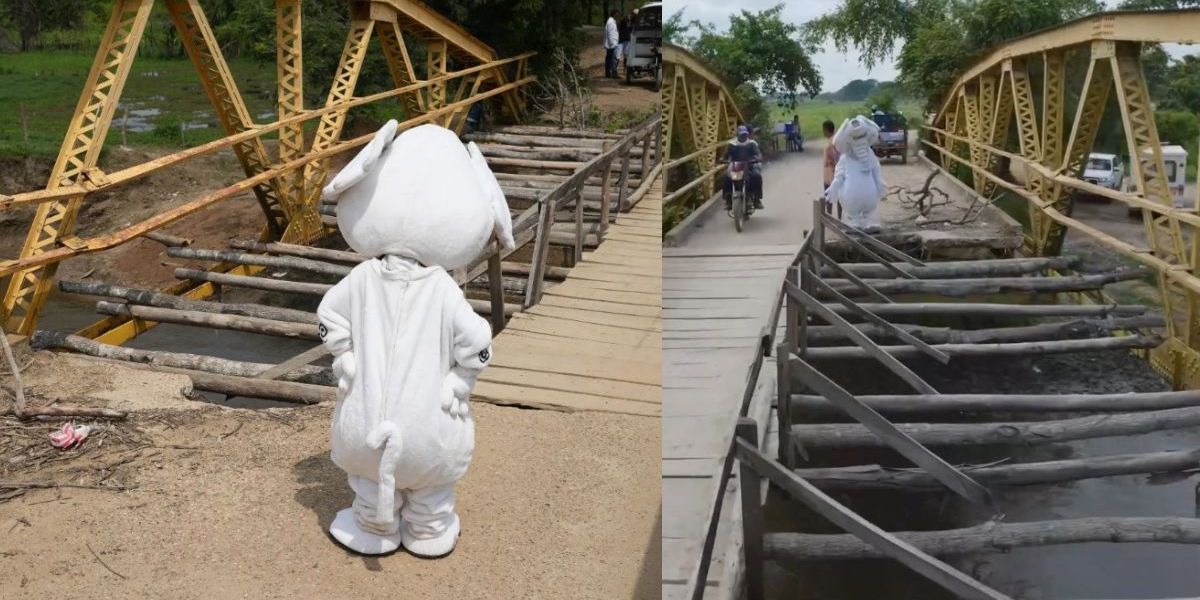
[[743, 133]]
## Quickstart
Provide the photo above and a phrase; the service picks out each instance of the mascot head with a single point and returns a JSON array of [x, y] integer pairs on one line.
[[856, 136], [421, 195]]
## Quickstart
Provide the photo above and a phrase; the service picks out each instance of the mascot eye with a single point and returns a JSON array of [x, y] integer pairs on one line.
[[484, 355], [322, 331]]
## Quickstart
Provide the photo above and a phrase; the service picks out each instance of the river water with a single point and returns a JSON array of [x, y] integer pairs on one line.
[[1093, 570]]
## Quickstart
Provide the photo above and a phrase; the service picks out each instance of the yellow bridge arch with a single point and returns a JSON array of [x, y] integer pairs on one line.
[[699, 114], [970, 134]]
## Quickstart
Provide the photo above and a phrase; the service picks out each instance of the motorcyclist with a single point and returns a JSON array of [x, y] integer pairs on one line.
[[744, 149]]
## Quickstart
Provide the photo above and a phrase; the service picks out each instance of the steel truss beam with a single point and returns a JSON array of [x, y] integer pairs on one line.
[[54, 222]]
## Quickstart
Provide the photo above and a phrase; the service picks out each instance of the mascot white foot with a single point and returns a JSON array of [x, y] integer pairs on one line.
[[407, 347], [858, 179]]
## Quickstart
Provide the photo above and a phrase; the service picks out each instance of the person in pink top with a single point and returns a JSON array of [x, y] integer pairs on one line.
[[831, 159]]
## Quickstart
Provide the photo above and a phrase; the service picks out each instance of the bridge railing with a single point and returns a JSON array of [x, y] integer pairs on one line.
[[969, 137]]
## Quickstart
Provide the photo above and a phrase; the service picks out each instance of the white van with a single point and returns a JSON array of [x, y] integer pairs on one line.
[[645, 45], [1175, 165], [1104, 170]]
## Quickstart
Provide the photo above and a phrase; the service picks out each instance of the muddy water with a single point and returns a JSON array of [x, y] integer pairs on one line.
[[69, 314], [1096, 570]]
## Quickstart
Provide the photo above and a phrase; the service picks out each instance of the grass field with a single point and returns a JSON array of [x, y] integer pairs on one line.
[[39, 91], [814, 112]]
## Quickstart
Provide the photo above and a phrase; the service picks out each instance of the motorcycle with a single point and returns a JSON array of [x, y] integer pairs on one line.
[[743, 203]]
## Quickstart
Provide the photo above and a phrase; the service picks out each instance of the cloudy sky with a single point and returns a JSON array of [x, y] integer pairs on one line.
[[837, 69]]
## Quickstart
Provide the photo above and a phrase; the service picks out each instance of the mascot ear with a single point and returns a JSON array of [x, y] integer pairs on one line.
[[363, 163], [841, 138], [495, 195]]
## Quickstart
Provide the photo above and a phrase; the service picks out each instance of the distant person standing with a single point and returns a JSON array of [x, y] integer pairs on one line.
[[624, 33], [831, 159], [611, 41]]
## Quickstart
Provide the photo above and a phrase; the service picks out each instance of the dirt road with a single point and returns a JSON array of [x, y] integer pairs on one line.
[[233, 503]]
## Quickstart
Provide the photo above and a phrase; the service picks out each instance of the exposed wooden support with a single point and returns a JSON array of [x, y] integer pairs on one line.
[[214, 320], [959, 288], [843, 435], [1004, 267], [1009, 349], [862, 477], [811, 406], [991, 537]]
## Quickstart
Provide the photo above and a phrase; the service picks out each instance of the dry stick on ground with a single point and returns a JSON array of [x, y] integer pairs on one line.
[[990, 537], [99, 560], [861, 477]]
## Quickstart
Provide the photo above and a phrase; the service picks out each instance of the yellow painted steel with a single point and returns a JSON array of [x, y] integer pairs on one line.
[[287, 188], [698, 113], [27, 289], [997, 89]]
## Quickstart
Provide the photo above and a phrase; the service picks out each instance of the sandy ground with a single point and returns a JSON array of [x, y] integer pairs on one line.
[[227, 503]]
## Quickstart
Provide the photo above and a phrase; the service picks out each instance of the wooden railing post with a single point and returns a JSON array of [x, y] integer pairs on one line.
[[623, 189], [578, 193], [646, 155], [496, 283], [604, 189], [541, 246], [750, 483]]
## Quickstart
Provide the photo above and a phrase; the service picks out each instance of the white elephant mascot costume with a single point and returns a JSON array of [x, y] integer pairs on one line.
[[857, 178], [407, 347]]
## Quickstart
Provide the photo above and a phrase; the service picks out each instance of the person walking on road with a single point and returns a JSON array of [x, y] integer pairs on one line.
[[831, 159], [611, 42]]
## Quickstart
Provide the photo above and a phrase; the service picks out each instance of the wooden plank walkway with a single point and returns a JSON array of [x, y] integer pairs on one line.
[[717, 303], [595, 340]]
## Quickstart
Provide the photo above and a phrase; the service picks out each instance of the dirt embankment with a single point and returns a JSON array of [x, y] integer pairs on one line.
[[140, 262]]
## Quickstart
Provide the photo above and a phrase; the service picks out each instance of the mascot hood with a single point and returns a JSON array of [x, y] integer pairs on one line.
[[421, 195], [856, 136]]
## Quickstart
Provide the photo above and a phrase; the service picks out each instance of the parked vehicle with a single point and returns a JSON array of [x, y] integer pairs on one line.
[[893, 135], [645, 45], [1104, 170], [1175, 167]]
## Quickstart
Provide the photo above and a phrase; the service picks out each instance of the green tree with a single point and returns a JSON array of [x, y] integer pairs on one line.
[[1182, 86], [674, 28], [937, 38], [762, 50]]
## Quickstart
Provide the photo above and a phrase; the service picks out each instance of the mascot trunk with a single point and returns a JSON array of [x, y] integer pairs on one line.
[[407, 347]]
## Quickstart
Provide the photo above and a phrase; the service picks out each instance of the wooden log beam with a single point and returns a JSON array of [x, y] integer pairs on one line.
[[864, 477], [1003, 267], [986, 286], [965, 309], [257, 283], [990, 537], [514, 139], [1021, 433], [300, 287], [217, 321], [242, 258], [1009, 349], [337, 256], [547, 130], [161, 300], [53, 340], [167, 239], [824, 335], [814, 407]]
